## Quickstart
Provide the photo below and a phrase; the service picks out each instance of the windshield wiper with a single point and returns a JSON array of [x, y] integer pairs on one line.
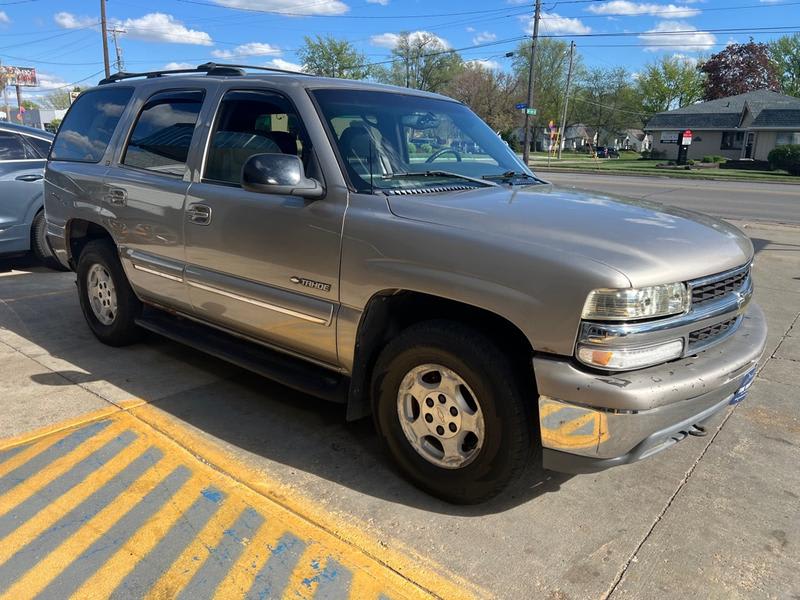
[[442, 174], [511, 175]]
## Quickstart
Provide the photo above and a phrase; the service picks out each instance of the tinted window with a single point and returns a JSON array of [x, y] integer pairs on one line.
[[42, 146], [89, 124], [11, 147], [163, 133], [248, 123]]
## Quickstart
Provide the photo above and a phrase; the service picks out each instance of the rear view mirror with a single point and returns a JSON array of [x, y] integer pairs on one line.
[[279, 174], [421, 121]]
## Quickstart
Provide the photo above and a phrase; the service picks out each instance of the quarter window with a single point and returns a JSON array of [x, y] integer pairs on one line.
[[86, 131], [163, 133], [252, 122], [41, 146], [11, 147]]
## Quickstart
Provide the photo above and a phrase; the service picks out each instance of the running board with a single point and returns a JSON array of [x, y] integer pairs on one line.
[[289, 371]]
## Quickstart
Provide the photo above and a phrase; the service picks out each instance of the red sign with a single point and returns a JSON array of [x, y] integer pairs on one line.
[[686, 137]]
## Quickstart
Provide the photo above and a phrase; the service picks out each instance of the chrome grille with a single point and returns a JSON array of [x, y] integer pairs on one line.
[[720, 287], [705, 335]]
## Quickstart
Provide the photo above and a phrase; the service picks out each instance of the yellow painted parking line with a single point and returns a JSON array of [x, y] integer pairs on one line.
[[134, 505]]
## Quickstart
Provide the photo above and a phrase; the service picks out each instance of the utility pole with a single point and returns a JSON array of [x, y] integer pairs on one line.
[[566, 101], [526, 149], [104, 30], [117, 49]]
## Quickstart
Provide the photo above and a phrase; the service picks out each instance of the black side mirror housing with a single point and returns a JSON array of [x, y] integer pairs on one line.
[[279, 174]]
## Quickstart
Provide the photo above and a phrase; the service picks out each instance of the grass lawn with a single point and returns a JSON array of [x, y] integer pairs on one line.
[[632, 166]]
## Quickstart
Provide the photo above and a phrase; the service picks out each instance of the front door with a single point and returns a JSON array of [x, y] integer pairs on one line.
[[748, 147], [262, 264], [21, 169], [145, 190]]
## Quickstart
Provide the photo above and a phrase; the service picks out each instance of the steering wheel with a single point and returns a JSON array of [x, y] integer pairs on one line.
[[443, 151]]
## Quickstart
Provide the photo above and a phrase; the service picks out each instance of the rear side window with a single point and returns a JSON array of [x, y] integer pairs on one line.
[[86, 131], [11, 147], [163, 133]]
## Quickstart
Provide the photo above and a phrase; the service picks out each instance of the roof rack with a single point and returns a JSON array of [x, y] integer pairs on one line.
[[209, 68]]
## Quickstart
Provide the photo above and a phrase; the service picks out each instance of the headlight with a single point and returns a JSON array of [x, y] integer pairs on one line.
[[623, 359], [631, 304]]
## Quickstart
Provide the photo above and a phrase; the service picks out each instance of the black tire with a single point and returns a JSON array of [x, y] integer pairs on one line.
[[40, 247], [508, 429], [122, 330]]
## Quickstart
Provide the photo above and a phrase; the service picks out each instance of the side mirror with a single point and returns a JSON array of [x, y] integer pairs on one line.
[[279, 174]]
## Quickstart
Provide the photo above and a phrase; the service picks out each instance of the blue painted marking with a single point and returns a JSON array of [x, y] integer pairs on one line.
[[85, 565], [57, 450], [222, 557], [6, 454], [334, 581], [29, 554], [212, 494], [61, 485], [150, 569], [272, 579]]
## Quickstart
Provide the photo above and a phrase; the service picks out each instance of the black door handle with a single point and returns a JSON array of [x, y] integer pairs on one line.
[[29, 177]]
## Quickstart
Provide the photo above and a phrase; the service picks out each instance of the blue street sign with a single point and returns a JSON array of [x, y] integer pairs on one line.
[[521, 105]]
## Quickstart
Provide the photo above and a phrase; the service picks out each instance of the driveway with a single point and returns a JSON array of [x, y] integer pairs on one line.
[[715, 517]]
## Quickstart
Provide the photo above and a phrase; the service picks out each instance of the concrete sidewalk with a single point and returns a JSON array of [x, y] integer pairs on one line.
[[715, 517]]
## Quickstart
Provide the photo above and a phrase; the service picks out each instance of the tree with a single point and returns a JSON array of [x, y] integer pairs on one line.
[[669, 83], [29, 104], [59, 99], [421, 61], [490, 94], [329, 57], [785, 55], [738, 69], [607, 103]]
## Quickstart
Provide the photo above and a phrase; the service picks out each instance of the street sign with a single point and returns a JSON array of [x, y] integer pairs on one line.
[[686, 137], [530, 111], [521, 105]]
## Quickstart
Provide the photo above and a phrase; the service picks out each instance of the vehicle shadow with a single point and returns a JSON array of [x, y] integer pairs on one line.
[[298, 439]]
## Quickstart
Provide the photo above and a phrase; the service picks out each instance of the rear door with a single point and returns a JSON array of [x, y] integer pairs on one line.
[[146, 188], [266, 265], [21, 173]]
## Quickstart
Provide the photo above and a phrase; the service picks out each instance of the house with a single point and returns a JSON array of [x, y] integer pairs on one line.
[[632, 139], [41, 118], [746, 126]]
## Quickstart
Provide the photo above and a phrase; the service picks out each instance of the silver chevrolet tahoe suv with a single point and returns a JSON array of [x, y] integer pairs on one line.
[[383, 248]]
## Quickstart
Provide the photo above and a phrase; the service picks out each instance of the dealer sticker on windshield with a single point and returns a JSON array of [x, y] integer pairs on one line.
[[747, 383]]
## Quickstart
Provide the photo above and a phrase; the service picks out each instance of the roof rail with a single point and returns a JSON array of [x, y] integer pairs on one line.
[[209, 68]]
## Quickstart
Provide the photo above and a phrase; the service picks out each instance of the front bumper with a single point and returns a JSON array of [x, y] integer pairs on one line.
[[591, 421]]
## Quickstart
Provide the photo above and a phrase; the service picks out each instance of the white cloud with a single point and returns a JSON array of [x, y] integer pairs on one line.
[[626, 7], [491, 65], [70, 21], [689, 60], [4, 17], [251, 49], [484, 36], [660, 38], [381, 2], [171, 66], [279, 63], [389, 40], [290, 7], [555, 23], [770, 1], [160, 27], [49, 82], [471, 29]]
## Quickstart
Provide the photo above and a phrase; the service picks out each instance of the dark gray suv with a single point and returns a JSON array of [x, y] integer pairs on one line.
[[290, 224]]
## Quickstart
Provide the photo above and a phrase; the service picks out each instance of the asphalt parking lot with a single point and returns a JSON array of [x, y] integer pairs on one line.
[[246, 488]]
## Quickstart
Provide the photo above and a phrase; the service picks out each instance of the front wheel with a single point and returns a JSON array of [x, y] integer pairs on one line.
[[107, 300], [450, 409]]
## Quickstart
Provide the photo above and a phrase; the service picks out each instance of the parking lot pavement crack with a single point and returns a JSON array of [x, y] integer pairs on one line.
[[685, 479]]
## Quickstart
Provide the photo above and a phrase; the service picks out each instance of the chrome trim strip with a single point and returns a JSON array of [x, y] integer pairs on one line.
[[280, 309], [718, 277], [158, 273]]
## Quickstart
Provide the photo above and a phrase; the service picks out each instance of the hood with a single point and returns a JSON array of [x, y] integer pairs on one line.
[[649, 243]]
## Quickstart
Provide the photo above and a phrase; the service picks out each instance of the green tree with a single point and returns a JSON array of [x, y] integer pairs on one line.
[[785, 55], [29, 104], [329, 57], [738, 69], [490, 94], [669, 83], [607, 103], [422, 62], [59, 99]]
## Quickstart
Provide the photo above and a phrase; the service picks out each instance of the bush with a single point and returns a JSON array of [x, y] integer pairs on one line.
[[690, 162], [786, 158], [645, 154], [412, 149], [714, 158], [426, 148]]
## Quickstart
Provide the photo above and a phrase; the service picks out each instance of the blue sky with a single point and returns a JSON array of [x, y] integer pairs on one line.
[[62, 40]]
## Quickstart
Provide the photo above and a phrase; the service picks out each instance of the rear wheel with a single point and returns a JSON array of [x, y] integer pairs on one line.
[[450, 409], [40, 247], [107, 300]]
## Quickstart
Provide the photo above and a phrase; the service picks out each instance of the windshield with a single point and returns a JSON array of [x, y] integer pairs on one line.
[[392, 141]]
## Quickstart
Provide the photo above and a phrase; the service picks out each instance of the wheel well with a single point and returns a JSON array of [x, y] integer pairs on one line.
[[80, 233], [389, 313]]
